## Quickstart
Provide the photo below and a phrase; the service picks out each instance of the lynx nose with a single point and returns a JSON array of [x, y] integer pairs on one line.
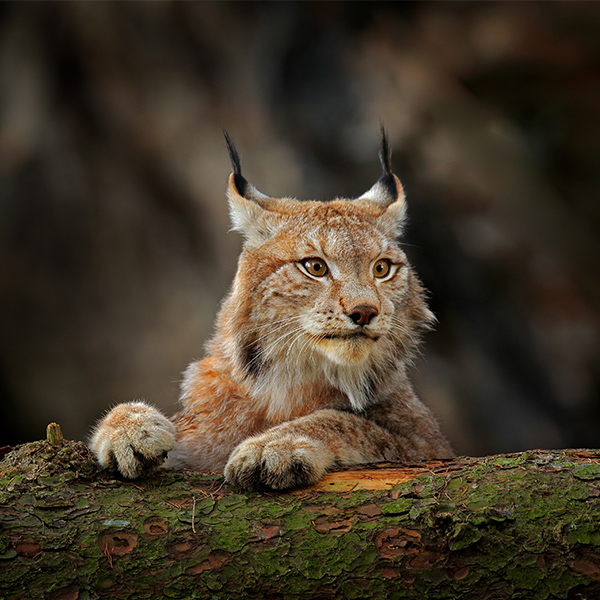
[[363, 313]]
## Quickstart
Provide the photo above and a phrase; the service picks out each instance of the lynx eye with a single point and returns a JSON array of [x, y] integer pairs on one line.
[[382, 268], [315, 267]]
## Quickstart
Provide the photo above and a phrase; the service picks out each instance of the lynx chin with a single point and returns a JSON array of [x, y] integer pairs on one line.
[[307, 368]]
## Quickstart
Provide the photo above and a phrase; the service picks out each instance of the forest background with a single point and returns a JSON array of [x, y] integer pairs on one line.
[[114, 242]]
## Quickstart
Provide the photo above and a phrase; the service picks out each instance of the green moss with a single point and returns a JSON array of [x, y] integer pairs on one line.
[[585, 533], [525, 573], [426, 484], [234, 538], [562, 581], [500, 513], [297, 520], [583, 491], [285, 507], [231, 502], [485, 516], [352, 590], [204, 506], [588, 471], [429, 578], [351, 499], [482, 498], [399, 506], [267, 561], [463, 536]]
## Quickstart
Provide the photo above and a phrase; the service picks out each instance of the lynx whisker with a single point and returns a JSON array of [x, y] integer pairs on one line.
[[287, 390], [265, 351]]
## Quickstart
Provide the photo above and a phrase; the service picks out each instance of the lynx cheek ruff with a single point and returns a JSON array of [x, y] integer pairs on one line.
[[307, 367]]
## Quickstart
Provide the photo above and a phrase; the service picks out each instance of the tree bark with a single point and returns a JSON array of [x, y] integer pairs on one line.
[[509, 526]]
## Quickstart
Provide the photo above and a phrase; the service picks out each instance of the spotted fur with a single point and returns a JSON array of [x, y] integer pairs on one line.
[[304, 371]]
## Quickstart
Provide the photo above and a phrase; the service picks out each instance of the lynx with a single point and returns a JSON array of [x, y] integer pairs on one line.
[[307, 368]]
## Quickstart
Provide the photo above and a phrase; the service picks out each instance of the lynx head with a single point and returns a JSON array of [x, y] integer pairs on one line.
[[321, 285]]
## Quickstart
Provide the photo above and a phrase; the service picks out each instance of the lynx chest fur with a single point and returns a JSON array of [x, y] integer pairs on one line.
[[307, 366]]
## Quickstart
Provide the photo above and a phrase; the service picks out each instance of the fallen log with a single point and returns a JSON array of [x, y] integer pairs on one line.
[[523, 525]]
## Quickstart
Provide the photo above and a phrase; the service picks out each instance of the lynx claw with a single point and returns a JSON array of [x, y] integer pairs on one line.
[[133, 438], [261, 463]]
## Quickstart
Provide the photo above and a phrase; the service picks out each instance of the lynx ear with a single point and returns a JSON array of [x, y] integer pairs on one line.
[[388, 192], [247, 206]]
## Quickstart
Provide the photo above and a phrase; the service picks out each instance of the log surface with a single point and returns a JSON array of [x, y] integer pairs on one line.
[[523, 525]]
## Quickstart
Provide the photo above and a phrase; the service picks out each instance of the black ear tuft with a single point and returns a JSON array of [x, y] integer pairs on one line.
[[233, 155], [385, 156], [240, 181]]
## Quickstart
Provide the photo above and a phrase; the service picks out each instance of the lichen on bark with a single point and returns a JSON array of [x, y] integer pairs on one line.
[[509, 526]]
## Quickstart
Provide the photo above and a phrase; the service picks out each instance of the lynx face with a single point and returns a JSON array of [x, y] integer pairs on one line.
[[336, 290], [323, 293]]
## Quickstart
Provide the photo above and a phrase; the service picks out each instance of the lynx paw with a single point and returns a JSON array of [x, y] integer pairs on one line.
[[267, 462], [133, 438]]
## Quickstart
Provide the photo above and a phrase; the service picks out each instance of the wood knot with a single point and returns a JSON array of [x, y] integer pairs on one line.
[[118, 543], [156, 526]]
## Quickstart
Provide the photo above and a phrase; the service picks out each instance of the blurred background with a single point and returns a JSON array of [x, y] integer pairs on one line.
[[114, 242]]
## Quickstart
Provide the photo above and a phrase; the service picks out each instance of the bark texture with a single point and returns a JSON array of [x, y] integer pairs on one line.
[[508, 526]]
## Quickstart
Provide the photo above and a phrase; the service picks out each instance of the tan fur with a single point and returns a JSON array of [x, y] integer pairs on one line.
[[292, 385]]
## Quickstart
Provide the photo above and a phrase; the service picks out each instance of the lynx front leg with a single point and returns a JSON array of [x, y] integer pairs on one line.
[[133, 438], [299, 452]]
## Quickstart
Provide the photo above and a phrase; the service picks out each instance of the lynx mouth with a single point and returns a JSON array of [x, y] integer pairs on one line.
[[354, 335], [350, 348]]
